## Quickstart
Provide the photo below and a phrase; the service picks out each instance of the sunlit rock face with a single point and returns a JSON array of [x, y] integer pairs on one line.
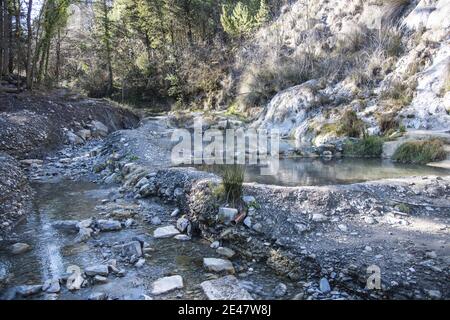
[[422, 67]]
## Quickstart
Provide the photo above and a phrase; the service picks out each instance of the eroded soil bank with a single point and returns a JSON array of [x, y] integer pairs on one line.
[[34, 124]]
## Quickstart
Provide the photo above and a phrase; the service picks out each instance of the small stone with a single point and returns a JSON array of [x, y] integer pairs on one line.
[[167, 284], [317, 217], [100, 279], [101, 270], [343, 227], [20, 248], [109, 225], [182, 237], [248, 222], [368, 249], [165, 232], [257, 227], [218, 265], [97, 296], [299, 296], [129, 223], [183, 224], [140, 263], [156, 221], [324, 286], [227, 252], [249, 200], [226, 215], [431, 255], [130, 249], [280, 290], [215, 245], [300, 227], [175, 213], [51, 286], [369, 220], [434, 294]]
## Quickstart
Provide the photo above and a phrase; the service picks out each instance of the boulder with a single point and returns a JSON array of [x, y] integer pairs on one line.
[[226, 252], [226, 288], [97, 270], [84, 134], [99, 129], [28, 290], [218, 265], [72, 138], [20, 248], [167, 284], [70, 226], [324, 285], [165, 232], [130, 249], [75, 280], [83, 235], [183, 224]]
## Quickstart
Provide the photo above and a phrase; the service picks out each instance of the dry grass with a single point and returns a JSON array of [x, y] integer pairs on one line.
[[264, 81], [446, 86], [398, 95], [232, 181], [351, 126], [388, 123], [420, 152]]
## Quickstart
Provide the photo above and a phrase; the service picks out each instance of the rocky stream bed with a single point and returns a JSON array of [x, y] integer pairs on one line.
[[112, 220]]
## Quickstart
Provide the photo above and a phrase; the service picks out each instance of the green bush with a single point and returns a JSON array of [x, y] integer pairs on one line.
[[232, 181], [371, 147], [420, 152]]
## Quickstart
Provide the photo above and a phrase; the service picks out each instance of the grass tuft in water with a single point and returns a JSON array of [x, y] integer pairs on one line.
[[369, 147], [232, 181], [420, 152]]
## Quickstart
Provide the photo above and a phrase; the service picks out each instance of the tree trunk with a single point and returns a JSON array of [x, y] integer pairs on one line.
[[18, 42], [2, 36], [10, 42], [29, 70], [58, 57], [107, 36]]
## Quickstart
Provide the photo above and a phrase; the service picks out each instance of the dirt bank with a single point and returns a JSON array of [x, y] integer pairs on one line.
[[34, 124], [15, 193]]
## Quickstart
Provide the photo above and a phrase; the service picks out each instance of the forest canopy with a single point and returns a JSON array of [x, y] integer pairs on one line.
[[161, 52]]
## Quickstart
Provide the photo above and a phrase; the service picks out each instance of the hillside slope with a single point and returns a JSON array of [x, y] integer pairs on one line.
[[388, 61]]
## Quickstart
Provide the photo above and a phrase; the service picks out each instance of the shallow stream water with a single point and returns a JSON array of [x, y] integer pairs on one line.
[[53, 251]]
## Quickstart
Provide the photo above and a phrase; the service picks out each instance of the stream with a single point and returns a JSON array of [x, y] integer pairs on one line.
[[60, 196], [53, 251]]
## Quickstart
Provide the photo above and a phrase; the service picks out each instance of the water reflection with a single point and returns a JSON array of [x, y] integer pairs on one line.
[[319, 172]]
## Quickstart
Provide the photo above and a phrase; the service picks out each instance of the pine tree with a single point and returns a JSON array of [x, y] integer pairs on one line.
[[242, 20], [262, 16]]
